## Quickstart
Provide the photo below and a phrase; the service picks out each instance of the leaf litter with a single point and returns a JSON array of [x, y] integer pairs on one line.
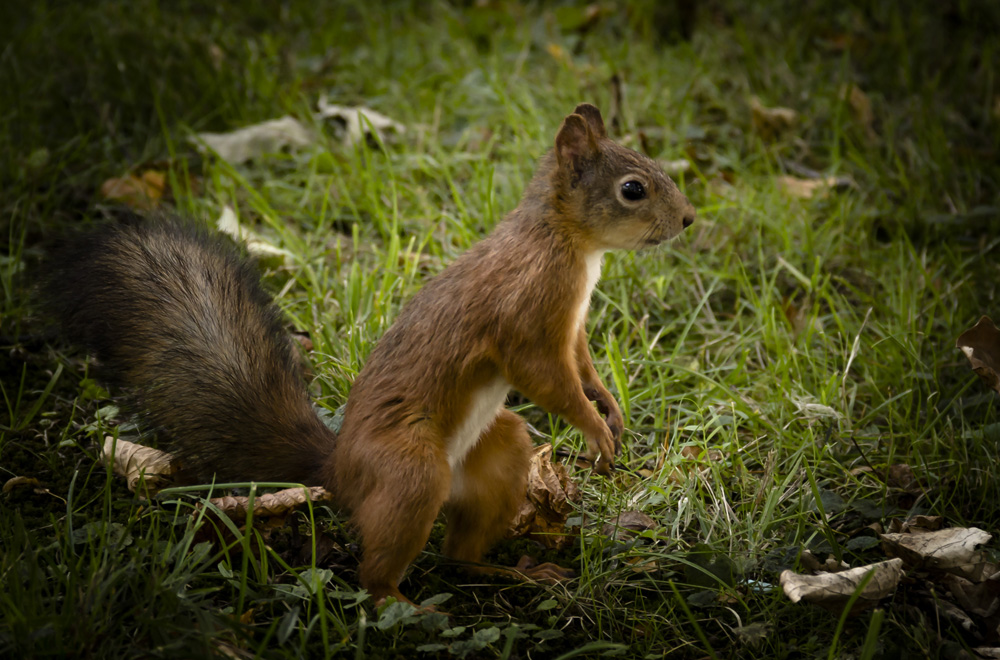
[[551, 495], [944, 570], [351, 124], [139, 191]]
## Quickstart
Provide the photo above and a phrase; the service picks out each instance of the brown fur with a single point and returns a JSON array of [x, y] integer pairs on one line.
[[177, 316], [180, 319], [506, 308]]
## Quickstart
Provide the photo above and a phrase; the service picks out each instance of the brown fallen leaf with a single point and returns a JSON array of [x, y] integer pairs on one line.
[[627, 525], [981, 344], [138, 463], [696, 453], [919, 524], [901, 476], [770, 122], [953, 550], [548, 502], [142, 192], [811, 562], [642, 564], [832, 590], [695, 457], [270, 505]]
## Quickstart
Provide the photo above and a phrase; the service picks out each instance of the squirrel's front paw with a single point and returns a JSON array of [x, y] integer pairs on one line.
[[601, 451], [608, 407]]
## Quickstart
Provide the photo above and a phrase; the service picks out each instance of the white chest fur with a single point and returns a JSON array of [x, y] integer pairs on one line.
[[483, 408], [594, 262]]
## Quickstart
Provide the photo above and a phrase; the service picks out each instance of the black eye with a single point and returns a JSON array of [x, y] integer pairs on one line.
[[633, 191]]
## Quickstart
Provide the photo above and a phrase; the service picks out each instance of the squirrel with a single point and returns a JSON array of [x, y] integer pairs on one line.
[[178, 317]]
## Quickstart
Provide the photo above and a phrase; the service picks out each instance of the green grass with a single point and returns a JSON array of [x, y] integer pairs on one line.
[[719, 342]]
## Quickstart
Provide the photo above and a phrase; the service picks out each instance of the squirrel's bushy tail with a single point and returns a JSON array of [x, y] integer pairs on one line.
[[177, 316]]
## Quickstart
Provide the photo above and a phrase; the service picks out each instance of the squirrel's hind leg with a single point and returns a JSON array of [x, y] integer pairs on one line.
[[487, 490], [396, 512]]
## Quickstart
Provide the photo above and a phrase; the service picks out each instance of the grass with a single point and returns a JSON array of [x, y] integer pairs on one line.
[[762, 359]]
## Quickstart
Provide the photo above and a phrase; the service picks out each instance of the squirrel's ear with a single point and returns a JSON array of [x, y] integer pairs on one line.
[[575, 144], [593, 117]]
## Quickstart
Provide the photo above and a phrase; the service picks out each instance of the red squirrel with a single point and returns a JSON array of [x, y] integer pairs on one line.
[[178, 317]]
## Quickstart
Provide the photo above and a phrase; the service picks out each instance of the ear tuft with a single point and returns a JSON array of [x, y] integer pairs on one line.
[[575, 144], [593, 117]]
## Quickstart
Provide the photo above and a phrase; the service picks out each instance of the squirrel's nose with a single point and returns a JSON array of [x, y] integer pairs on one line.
[[688, 218]]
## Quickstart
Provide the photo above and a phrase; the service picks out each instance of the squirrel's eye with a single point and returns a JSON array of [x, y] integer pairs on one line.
[[633, 191]]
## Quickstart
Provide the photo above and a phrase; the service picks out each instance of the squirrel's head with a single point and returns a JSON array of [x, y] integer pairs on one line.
[[621, 198]]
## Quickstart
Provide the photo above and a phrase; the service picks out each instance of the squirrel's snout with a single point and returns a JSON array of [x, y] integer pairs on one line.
[[688, 218]]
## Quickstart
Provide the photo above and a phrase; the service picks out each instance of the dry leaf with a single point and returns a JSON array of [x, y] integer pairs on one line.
[[359, 122], [265, 252], [642, 564], [809, 561], [627, 525], [982, 599], [142, 192], [695, 455], [20, 482], [920, 524], [138, 463], [270, 505], [793, 186], [231, 651], [832, 590], [769, 122], [981, 344], [954, 614], [952, 550], [251, 142], [901, 476], [244, 144], [549, 502]]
